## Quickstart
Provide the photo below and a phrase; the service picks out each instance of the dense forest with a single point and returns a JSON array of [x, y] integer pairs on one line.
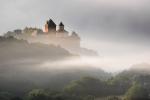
[[120, 87]]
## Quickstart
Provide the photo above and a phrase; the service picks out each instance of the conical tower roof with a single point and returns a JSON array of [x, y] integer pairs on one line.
[[51, 23], [61, 24]]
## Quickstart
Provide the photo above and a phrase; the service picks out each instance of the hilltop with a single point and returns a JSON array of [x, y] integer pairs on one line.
[[52, 36]]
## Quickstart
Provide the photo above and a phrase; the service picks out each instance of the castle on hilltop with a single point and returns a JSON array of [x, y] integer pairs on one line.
[[61, 36], [52, 35], [50, 28]]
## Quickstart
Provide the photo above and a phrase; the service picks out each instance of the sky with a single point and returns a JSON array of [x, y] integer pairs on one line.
[[119, 30]]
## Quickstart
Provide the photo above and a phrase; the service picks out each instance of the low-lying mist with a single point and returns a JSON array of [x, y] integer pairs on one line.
[[25, 66]]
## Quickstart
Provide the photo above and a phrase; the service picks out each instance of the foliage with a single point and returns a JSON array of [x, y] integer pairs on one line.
[[37, 94], [89, 88], [136, 92], [118, 85], [86, 86]]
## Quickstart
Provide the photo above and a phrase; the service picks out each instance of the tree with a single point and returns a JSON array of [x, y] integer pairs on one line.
[[86, 86], [136, 92], [37, 94]]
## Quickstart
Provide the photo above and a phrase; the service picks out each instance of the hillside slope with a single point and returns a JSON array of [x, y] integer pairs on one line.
[[21, 67]]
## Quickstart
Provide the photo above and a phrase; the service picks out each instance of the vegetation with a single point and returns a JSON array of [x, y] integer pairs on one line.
[[86, 88], [137, 92]]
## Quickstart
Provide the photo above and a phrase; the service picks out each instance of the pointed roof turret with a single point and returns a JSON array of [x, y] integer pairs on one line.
[[61, 24], [51, 23]]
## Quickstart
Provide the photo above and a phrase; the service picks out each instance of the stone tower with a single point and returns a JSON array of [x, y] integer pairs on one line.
[[61, 27], [61, 32], [50, 27]]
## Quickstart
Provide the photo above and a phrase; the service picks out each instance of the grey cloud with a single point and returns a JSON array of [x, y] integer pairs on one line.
[[115, 21]]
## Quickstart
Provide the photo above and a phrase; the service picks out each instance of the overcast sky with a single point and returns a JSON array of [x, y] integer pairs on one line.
[[117, 29]]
